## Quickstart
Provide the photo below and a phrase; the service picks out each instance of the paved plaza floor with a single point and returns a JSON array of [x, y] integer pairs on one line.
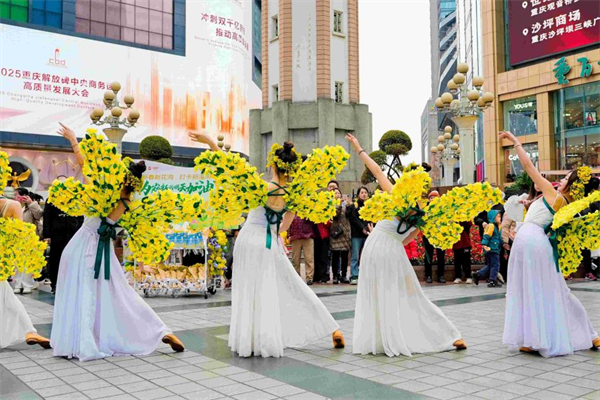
[[208, 370]]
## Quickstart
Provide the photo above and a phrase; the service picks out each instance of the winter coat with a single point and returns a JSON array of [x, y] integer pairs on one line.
[[356, 223], [465, 237], [58, 225], [340, 221], [492, 237], [301, 229]]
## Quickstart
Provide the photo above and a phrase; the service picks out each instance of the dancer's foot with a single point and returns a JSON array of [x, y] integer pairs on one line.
[[460, 344], [526, 350], [17, 291], [33, 339], [596, 343], [174, 342], [338, 340]]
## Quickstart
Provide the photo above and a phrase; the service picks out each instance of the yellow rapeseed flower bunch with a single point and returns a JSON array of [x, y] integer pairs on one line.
[[304, 194], [582, 233], [104, 172], [149, 219], [238, 187], [584, 174], [20, 248], [405, 194], [217, 245], [442, 215], [566, 214], [5, 171]]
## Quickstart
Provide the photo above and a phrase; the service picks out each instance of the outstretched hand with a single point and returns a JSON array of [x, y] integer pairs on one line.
[[200, 137], [354, 141], [508, 136], [67, 133]]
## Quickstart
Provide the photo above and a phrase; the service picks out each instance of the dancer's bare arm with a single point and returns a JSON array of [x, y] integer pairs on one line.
[[375, 169]]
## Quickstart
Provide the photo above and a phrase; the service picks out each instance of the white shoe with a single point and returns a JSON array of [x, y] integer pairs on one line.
[[457, 280], [17, 291], [47, 282], [469, 281], [27, 291]]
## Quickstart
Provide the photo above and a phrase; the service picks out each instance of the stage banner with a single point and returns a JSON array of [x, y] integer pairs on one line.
[[160, 176]]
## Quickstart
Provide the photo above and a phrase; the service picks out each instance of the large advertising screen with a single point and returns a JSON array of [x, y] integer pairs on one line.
[[47, 77], [542, 28]]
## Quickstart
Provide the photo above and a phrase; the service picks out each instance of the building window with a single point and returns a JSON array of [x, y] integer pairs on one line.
[[513, 165], [145, 22], [520, 116], [46, 12], [15, 10], [339, 92], [577, 125], [275, 92], [275, 24], [338, 21], [257, 42]]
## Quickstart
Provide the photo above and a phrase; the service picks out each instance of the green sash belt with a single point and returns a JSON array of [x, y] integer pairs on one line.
[[106, 232], [273, 218], [553, 236], [411, 220]]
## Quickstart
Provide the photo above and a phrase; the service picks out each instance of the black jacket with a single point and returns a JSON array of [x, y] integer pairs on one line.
[[58, 225], [357, 225]]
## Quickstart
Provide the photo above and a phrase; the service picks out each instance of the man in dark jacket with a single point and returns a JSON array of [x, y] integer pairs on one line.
[[58, 229], [359, 232]]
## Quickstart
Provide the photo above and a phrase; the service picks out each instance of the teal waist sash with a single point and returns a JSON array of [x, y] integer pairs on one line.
[[553, 237], [106, 232], [273, 218]]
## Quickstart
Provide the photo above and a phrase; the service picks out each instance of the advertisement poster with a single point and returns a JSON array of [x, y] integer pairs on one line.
[[542, 28], [62, 78], [160, 176]]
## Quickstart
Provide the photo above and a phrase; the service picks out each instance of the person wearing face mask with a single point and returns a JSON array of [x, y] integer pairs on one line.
[[32, 213], [58, 229], [542, 315], [360, 231]]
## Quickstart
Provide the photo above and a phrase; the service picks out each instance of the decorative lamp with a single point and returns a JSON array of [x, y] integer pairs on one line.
[[446, 98], [116, 112], [434, 149], [473, 95], [488, 97], [447, 136], [456, 138], [441, 139], [439, 103], [454, 146], [441, 147], [477, 82], [459, 78], [462, 68], [447, 128], [115, 87]]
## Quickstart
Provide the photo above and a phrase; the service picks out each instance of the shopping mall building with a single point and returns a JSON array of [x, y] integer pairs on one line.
[[189, 65], [541, 60]]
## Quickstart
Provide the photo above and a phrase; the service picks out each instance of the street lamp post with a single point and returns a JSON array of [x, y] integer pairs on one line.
[[449, 152], [465, 110], [115, 131]]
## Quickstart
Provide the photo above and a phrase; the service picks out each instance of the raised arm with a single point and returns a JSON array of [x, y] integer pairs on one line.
[[68, 134], [201, 137], [543, 184], [286, 222], [375, 169]]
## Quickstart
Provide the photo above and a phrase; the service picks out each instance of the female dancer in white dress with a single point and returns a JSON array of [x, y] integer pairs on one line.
[[541, 313], [272, 307], [393, 315], [15, 324], [97, 317]]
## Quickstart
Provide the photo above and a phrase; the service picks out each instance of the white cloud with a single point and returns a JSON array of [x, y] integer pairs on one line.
[[395, 66]]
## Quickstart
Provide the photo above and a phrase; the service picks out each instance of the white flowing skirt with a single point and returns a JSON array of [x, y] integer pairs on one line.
[[96, 318], [393, 315], [272, 307], [541, 312], [14, 321]]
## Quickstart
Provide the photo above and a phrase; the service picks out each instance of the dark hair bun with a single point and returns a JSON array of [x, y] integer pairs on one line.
[[426, 167], [288, 146], [137, 169]]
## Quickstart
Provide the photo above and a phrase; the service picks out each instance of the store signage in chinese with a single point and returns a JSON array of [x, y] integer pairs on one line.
[[522, 106], [541, 28], [562, 68], [230, 33]]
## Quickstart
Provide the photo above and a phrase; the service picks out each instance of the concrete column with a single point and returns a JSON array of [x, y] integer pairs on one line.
[[466, 129], [326, 129], [256, 145], [449, 171], [280, 121]]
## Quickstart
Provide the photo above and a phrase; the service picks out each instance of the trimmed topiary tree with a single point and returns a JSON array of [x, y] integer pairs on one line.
[[392, 145], [156, 148]]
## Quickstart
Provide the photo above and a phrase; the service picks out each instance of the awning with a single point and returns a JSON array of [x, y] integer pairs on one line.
[[566, 171]]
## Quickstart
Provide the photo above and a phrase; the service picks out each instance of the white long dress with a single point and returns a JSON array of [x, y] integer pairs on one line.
[[96, 318], [272, 307], [14, 321], [393, 315], [541, 312]]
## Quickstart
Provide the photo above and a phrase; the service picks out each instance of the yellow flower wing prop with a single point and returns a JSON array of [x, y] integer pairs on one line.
[[443, 215], [576, 232], [20, 248], [238, 187], [407, 191], [304, 194], [217, 245], [104, 172], [149, 219], [5, 171]]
